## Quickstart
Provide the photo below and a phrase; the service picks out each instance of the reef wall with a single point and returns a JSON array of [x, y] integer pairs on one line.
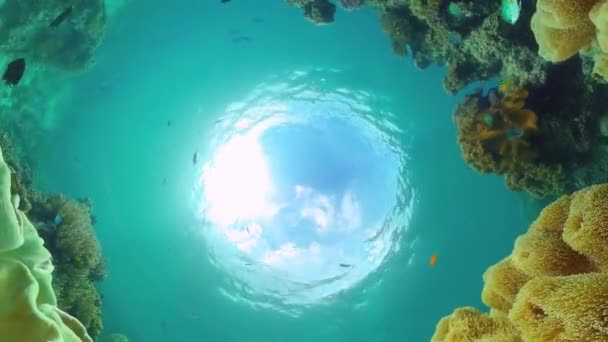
[[549, 58]]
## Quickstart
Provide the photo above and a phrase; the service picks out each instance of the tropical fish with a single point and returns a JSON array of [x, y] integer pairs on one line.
[[504, 86], [62, 16], [433, 260], [14, 72], [510, 10]]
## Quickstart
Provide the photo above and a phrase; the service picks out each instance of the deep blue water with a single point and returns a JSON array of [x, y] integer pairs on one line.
[[178, 62]]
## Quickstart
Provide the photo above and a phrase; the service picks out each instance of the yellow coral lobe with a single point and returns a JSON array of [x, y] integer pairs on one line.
[[537, 254], [586, 229], [567, 308], [469, 324], [502, 282]]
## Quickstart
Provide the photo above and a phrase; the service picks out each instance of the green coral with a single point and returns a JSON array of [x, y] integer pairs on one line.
[[76, 253]]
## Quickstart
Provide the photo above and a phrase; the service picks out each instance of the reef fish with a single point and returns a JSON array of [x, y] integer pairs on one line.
[[62, 16], [510, 10], [195, 158], [14, 72], [433, 260]]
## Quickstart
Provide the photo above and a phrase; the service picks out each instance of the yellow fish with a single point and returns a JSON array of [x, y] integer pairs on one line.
[[433, 260], [504, 86]]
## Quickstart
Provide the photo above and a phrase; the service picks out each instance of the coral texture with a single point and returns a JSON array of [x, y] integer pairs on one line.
[[553, 286]]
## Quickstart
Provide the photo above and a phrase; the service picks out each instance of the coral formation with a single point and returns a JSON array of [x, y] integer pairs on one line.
[[553, 286], [317, 11], [28, 306], [25, 31], [66, 228], [350, 5], [566, 151]]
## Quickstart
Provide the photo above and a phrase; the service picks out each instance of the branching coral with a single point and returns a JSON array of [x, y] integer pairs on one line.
[[553, 286], [66, 227]]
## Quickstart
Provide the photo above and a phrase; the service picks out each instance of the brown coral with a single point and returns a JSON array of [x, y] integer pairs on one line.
[[496, 132], [66, 227], [549, 290]]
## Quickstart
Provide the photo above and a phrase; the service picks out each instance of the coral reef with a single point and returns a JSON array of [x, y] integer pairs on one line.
[[319, 12], [567, 150], [542, 145], [26, 31], [350, 5], [553, 286], [65, 225], [66, 228], [28, 305]]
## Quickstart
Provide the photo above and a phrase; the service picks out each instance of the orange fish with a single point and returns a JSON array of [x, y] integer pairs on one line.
[[433, 260]]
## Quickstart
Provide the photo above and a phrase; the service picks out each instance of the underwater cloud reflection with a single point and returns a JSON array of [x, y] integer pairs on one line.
[[303, 193]]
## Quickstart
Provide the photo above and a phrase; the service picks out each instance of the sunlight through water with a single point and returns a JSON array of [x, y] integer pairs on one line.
[[303, 192]]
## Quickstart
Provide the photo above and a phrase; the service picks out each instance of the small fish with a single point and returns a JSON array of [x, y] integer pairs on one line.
[[168, 123], [62, 16], [433, 260], [14, 72], [195, 158], [224, 1], [58, 219], [504, 86], [510, 10], [346, 265], [164, 181], [258, 20], [241, 39]]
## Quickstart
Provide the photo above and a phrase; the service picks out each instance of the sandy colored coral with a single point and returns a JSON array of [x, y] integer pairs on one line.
[[469, 324], [586, 229], [503, 280], [562, 27], [566, 308], [554, 285]]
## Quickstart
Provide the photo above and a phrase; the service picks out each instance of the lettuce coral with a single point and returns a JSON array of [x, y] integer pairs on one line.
[[28, 308], [553, 286]]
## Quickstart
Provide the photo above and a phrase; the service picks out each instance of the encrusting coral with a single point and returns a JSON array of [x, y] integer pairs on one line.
[[553, 286], [28, 307]]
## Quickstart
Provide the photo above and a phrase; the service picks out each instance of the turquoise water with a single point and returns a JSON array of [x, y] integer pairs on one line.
[[171, 80]]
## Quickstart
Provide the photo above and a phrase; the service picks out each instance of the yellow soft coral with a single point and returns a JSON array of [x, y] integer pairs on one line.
[[469, 324], [562, 27], [586, 228], [554, 285], [569, 308]]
